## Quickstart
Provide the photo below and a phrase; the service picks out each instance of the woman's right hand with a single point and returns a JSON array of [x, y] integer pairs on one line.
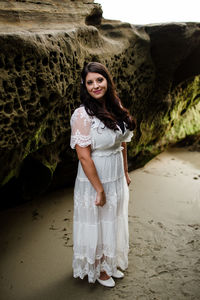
[[100, 199]]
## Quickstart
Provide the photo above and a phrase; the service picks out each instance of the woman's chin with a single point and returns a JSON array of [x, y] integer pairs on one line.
[[99, 98]]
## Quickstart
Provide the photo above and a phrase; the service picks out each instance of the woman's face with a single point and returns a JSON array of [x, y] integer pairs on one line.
[[96, 85]]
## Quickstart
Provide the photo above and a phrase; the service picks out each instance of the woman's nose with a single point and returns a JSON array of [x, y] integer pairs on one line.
[[95, 84]]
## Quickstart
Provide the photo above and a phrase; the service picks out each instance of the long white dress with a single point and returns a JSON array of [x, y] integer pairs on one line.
[[100, 234]]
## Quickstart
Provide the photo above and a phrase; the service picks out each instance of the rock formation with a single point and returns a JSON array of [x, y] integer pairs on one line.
[[43, 47]]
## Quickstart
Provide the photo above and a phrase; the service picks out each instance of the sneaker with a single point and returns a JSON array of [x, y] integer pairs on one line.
[[108, 283], [118, 274]]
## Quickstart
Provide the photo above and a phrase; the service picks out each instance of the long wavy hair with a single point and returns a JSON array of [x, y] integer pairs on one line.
[[113, 111]]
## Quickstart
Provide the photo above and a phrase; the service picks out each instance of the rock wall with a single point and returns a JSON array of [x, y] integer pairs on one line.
[[43, 47]]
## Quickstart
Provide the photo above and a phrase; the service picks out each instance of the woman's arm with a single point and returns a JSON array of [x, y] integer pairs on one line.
[[84, 155], [124, 152]]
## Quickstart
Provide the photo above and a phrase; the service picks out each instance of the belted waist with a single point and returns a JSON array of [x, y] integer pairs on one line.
[[106, 152]]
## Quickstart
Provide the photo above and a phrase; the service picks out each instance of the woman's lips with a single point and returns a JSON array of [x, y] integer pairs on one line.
[[97, 92]]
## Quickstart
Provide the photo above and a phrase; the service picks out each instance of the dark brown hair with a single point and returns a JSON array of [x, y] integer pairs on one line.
[[114, 110]]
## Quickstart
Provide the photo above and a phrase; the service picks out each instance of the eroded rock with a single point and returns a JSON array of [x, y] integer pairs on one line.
[[43, 47]]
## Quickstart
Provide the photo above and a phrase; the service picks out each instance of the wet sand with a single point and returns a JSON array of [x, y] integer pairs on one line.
[[164, 225]]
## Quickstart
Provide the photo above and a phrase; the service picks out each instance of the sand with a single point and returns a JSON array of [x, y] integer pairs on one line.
[[164, 225]]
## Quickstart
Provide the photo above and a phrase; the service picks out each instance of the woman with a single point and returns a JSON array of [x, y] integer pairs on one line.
[[100, 129]]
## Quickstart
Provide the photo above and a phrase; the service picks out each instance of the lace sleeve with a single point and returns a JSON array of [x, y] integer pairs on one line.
[[80, 128]]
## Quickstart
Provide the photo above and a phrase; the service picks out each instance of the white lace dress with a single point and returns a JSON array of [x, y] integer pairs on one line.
[[100, 234]]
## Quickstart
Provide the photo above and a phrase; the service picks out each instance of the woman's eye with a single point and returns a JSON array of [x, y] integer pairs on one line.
[[89, 82], [100, 79]]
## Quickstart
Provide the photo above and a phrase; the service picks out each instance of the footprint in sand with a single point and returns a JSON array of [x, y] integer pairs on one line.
[[197, 262], [160, 225], [150, 222], [194, 226], [162, 269], [36, 215], [52, 227], [67, 239]]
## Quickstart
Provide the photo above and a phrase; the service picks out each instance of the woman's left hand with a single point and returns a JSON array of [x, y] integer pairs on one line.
[[128, 179]]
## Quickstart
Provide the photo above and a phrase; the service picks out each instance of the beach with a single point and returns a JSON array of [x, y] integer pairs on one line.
[[164, 228]]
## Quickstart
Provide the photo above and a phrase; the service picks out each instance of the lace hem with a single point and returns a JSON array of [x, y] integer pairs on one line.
[[82, 266], [79, 139]]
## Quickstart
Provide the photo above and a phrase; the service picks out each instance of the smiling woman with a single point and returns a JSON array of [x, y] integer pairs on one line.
[[154, 11], [96, 85], [101, 126]]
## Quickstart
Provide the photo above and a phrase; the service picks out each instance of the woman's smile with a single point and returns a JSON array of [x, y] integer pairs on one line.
[[97, 92], [96, 85]]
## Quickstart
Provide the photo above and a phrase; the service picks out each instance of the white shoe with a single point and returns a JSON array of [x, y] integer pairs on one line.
[[118, 274], [108, 283]]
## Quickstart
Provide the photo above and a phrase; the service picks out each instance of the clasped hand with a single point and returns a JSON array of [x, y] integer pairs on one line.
[[100, 199]]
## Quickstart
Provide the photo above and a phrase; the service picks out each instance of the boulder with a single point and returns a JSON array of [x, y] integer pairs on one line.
[[43, 47]]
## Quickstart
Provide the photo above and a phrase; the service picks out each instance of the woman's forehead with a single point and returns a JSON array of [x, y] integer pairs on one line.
[[93, 76]]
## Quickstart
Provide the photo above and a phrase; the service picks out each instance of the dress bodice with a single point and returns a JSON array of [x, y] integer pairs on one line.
[[106, 141], [87, 130]]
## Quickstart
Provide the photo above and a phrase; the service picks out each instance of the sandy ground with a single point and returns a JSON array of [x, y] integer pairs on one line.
[[164, 224]]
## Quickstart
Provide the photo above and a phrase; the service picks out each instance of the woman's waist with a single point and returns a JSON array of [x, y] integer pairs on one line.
[[106, 151], [109, 167]]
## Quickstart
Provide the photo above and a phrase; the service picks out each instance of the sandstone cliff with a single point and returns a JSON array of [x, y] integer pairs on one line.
[[43, 46]]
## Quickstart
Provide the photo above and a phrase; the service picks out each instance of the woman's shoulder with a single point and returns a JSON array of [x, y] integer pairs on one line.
[[80, 113], [79, 110]]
